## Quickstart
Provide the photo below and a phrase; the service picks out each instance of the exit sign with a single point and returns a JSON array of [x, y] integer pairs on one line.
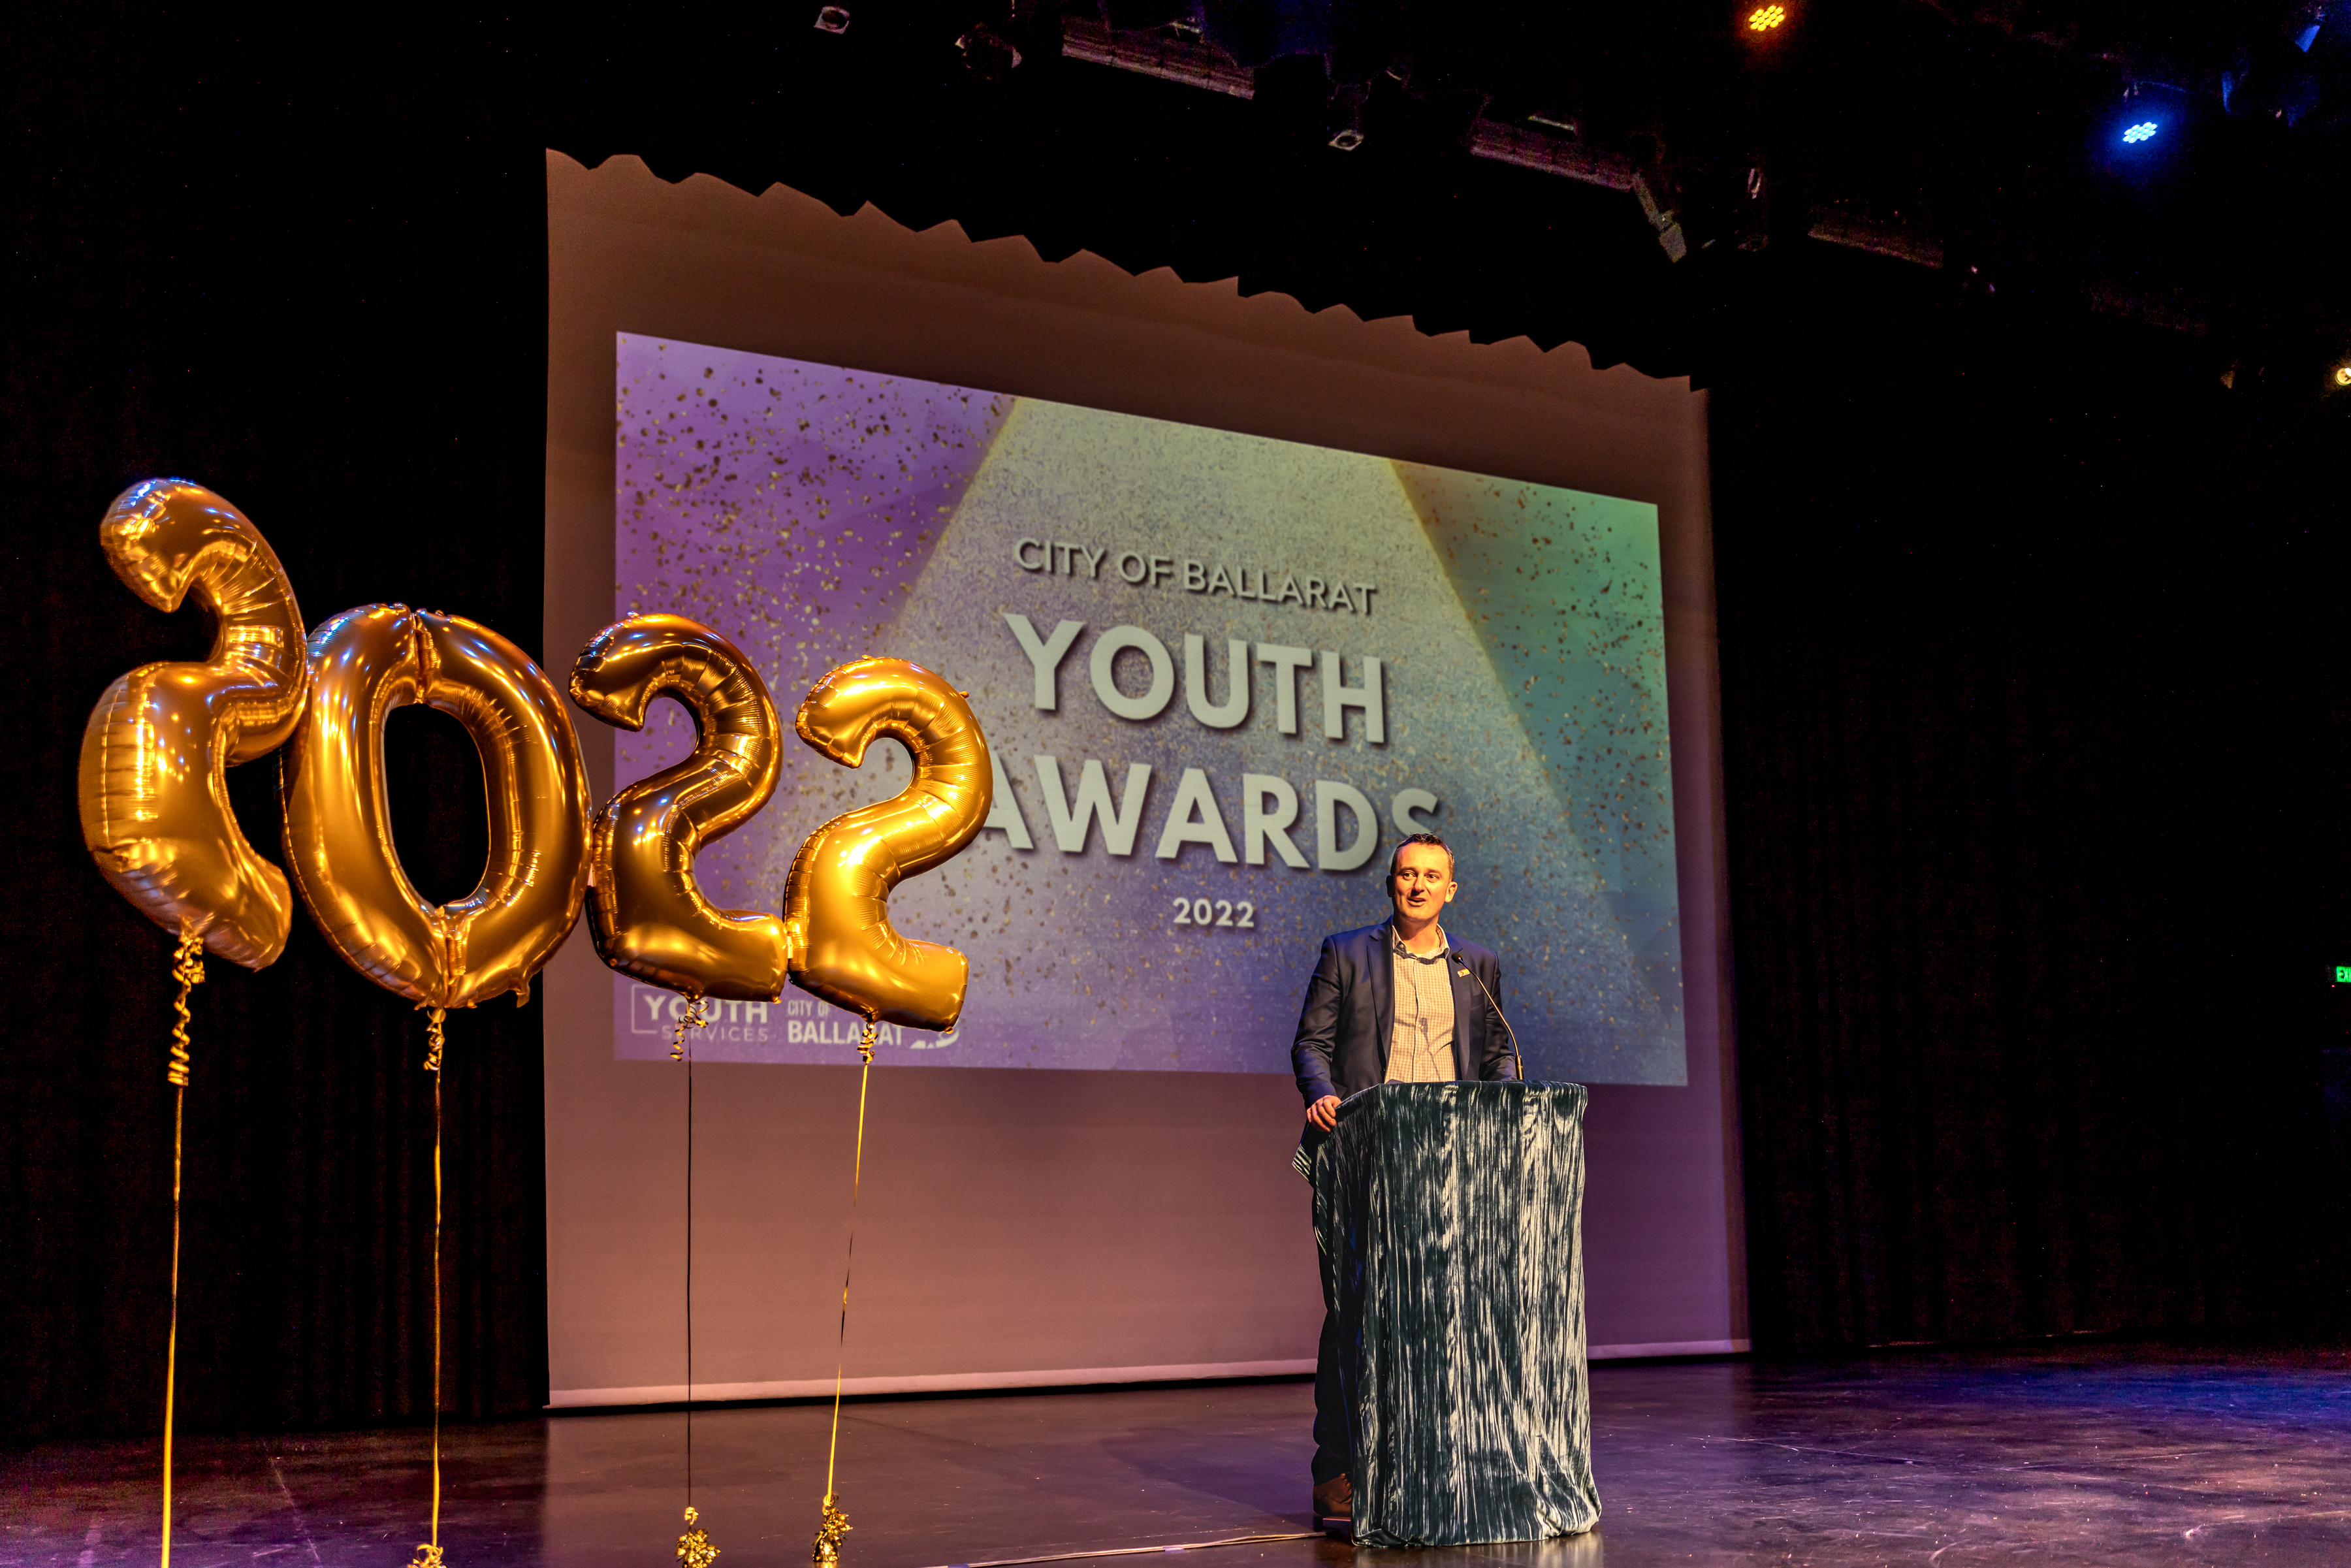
[[2342, 973]]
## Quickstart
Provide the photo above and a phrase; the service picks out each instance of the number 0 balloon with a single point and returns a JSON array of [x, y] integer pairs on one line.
[[364, 662]]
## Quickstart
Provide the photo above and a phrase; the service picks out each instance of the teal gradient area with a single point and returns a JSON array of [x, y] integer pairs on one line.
[[1565, 593], [1272, 654]]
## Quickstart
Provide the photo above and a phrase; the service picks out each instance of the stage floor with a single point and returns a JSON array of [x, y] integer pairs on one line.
[[2088, 1456]]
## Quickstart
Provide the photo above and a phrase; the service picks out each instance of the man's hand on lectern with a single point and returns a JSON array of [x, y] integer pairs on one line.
[[1324, 1112]]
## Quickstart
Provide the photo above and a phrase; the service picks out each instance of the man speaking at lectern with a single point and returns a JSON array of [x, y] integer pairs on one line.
[[1397, 1002]]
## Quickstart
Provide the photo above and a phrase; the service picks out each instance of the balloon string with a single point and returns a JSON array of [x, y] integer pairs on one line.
[[188, 969], [835, 1523], [693, 1548], [689, 1256], [436, 1303], [428, 1553]]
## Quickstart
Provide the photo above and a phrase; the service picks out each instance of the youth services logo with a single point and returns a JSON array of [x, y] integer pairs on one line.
[[794, 1020], [655, 1011]]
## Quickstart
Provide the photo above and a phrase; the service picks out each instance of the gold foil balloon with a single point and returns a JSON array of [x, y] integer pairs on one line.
[[363, 663], [838, 899], [155, 756], [646, 909]]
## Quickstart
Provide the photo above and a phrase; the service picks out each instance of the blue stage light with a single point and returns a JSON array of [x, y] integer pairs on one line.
[[2143, 131]]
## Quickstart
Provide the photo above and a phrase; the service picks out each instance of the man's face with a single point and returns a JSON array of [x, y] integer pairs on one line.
[[1422, 883]]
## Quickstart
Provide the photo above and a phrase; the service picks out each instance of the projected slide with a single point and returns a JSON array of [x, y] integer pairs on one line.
[[1221, 675]]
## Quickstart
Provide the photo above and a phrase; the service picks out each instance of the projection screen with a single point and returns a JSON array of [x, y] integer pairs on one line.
[[1240, 596]]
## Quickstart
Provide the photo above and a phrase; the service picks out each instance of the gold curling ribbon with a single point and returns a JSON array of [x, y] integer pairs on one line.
[[428, 1553], [188, 969], [693, 1548], [828, 1536], [835, 1523], [694, 1017]]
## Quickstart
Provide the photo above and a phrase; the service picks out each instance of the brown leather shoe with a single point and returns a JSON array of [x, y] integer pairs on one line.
[[1334, 1504]]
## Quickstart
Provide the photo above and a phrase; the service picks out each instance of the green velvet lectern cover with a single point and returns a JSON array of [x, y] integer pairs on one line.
[[1450, 1221]]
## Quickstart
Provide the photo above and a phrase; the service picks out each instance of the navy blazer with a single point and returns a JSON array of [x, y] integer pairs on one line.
[[1349, 1020]]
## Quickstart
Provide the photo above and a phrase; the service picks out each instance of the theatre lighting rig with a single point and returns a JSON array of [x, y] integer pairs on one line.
[[2164, 150]]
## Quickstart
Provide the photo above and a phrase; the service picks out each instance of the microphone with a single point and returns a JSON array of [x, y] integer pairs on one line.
[[1470, 970]]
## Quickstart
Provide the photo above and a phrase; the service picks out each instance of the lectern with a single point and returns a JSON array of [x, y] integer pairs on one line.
[[1449, 1217]]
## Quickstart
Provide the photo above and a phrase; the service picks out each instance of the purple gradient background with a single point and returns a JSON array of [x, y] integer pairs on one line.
[[803, 511]]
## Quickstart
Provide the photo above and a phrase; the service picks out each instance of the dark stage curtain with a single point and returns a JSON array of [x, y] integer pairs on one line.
[[319, 291], [2034, 734]]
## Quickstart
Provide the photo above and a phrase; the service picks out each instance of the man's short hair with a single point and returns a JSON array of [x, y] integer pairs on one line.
[[1395, 858]]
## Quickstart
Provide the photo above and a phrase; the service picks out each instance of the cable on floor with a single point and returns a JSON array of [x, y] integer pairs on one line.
[[1138, 1551]]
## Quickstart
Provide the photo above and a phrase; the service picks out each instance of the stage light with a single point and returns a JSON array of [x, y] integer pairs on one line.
[[986, 53], [1347, 116], [1764, 18], [832, 19], [2143, 131], [1666, 219]]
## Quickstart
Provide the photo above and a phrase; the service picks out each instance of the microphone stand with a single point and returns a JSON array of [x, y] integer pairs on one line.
[[1518, 1062]]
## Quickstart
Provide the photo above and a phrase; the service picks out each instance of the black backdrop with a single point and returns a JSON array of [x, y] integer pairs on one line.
[[2035, 740], [320, 293], [2033, 690]]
